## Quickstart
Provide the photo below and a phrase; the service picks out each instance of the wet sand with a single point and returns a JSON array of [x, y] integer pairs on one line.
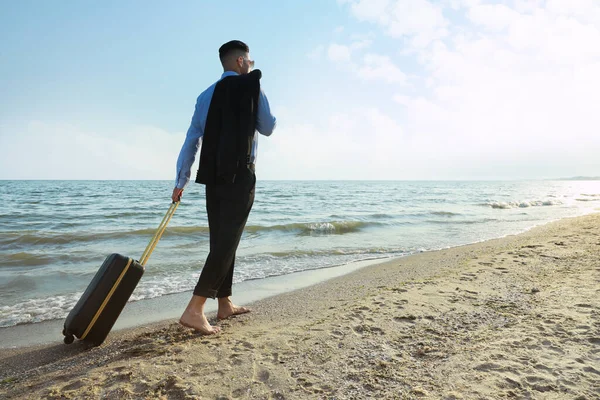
[[517, 317]]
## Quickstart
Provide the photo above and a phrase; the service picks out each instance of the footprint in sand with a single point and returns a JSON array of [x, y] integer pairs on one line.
[[510, 383], [235, 359], [75, 385], [276, 359], [584, 308], [357, 315], [304, 383], [400, 303], [237, 393], [534, 379], [542, 367], [278, 396], [124, 377], [172, 386], [151, 350], [261, 375], [594, 340], [487, 367], [337, 334], [363, 329], [409, 319], [591, 370]]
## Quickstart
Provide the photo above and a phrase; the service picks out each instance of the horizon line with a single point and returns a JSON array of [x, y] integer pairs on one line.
[[581, 178]]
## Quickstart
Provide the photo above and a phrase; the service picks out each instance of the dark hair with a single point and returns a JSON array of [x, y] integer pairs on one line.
[[232, 45]]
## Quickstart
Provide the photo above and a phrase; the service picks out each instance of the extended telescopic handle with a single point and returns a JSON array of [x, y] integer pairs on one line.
[[159, 232]]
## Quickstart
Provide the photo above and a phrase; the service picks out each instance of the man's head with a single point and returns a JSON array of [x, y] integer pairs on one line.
[[235, 56]]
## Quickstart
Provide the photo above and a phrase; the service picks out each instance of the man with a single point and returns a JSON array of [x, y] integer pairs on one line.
[[226, 119]]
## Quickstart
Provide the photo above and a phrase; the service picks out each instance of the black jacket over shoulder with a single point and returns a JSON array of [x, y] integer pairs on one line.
[[230, 128]]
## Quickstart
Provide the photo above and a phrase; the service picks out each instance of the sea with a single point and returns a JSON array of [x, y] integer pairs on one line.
[[54, 235]]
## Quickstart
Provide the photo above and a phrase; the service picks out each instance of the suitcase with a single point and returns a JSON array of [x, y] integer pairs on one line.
[[97, 310]]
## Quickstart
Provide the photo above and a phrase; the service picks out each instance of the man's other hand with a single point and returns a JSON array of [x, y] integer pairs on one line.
[[176, 194]]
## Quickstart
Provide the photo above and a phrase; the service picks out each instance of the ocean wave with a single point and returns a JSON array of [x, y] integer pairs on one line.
[[444, 213], [587, 199], [176, 230], [460, 222], [337, 227], [17, 286], [380, 216], [316, 253], [366, 217], [136, 214], [26, 259], [16, 261], [590, 195], [522, 204], [37, 310], [311, 228], [49, 238]]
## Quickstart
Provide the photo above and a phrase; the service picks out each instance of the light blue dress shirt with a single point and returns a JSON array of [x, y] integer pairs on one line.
[[265, 124]]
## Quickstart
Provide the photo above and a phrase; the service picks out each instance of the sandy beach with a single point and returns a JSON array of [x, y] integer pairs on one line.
[[516, 317]]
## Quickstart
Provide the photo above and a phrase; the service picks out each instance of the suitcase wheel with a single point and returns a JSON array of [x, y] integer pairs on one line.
[[68, 339]]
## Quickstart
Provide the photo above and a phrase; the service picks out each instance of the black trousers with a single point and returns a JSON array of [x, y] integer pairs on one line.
[[228, 206]]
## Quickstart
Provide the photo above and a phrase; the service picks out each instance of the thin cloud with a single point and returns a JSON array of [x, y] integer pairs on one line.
[[420, 20], [378, 67], [516, 84], [338, 53]]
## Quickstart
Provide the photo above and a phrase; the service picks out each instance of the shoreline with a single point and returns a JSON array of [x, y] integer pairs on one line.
[[162, 309], [515, 316], [167, 307]]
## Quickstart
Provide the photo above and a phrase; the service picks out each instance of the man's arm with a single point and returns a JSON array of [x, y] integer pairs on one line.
[[190, 147], [187, 156], [265, 121]]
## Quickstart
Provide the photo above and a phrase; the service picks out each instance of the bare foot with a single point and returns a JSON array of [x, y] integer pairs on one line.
[[228, 309], [198, 322]]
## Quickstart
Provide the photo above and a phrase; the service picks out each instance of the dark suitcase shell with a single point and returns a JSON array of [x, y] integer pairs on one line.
[[97, 310]]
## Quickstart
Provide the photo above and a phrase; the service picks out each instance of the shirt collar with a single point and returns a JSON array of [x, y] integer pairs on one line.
[[228, 73]]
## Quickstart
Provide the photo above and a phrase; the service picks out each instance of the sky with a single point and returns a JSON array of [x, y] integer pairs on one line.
[[361, 89]]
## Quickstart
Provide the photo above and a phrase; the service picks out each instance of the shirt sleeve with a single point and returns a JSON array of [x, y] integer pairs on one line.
[[187, 156], [265, 121]]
